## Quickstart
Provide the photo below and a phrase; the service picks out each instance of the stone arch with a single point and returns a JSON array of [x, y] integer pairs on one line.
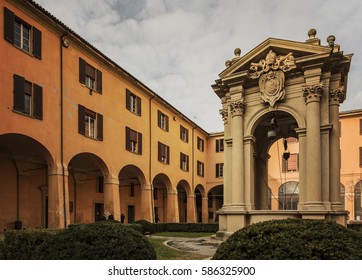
[[358, 201], [199, 203], [88, 176], [134, 194], [288, 196], [215, 201], [164, 199], [183, 192], [26, 164]]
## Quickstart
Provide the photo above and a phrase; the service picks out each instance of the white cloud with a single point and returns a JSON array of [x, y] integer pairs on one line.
[[178, 48]]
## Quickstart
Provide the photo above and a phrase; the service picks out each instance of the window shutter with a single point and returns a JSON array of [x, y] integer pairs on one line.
[[100, 127], [284, 165], [99, 81], [181, 130], [133, 135], [81, 119], [139, 143], [38, 102], [181, 159], [128, 99], [139, 104], [168, 154], [159, 118], [221, 145], [217, 170], [187, 135], [128, 139], [159, 151], [81, 71], [19, 84], [9, 19], [217, 145], [36, 43], [166, 117], [187, 163]]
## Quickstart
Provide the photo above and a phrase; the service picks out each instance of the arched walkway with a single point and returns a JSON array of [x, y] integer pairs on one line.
[[26, 166], [215, 202], [200, 203], [87, 179], [358, 201], [135, 195], [165, 199], [185, 205]]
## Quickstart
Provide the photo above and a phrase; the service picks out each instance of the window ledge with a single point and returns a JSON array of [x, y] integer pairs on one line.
[[25, 115]]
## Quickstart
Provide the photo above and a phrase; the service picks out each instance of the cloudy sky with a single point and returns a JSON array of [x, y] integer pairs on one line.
[[178, 47]]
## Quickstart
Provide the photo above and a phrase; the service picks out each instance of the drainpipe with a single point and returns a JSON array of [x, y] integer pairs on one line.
[[150, 159], [63, 42]]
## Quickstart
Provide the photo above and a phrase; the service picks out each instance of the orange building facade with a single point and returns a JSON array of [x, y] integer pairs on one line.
[[82, 139]]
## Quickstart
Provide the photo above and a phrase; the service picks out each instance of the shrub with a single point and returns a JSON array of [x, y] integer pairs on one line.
[[99, 241], [21, 244], [2, 250], [292, 239], [147, 227], [187, 227]]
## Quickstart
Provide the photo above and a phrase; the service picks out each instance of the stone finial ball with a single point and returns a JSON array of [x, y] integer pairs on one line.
[[312, 32], [331, 38], [227, 63], [237, 52]]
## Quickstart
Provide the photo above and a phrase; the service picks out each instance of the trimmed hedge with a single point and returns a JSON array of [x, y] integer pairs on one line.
[[99, 241], [21, 244], [146, 226], [292, 239], [187, 227]]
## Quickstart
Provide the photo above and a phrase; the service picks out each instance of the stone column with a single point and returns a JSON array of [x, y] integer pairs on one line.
[[146, 202], [225, 113], [249, 172], [335, 97], [111, 196], [302, 167], [237, 168], [58, 198], [173, 215], [262, 182], [313, 95], [205, 209], [191, 209]]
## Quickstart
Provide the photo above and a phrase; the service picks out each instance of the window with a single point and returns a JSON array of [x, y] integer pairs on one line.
[[219, 145], [28, 98], [21, 34], [290, 165], [90, 124], [200, 168], [90, 76], [163, 153], [133, 141], [292, 140], [184, 162], [288, 196], [162, 121], [200, 144], [133, 102], [219, 170], [100, 184], [184, 134]]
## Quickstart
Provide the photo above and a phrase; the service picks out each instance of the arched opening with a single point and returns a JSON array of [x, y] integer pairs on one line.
[[86, 178], [358, 201], [164, 204], [288, 196], [183, 189], [215, 200], [25, 165], [199, 194], [276, 157], [133, 202]]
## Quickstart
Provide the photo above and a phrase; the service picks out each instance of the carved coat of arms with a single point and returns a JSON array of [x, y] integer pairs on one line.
[[270, 72]]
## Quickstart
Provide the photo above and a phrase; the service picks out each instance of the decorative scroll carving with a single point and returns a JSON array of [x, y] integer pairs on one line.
[[313, 92], [224, 115], [271, 72], [237, 108], [337, 96], [272, 62]]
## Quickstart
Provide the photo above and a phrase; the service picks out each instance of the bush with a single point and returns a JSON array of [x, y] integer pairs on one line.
[[99, 241], [147, 227], [21, 244], [187, 227], [292, 239], [2, 250]]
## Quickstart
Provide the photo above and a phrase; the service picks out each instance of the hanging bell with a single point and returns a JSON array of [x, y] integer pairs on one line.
[[272, 134]]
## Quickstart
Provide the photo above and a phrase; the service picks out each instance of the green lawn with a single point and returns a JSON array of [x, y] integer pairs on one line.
[[166, 253]]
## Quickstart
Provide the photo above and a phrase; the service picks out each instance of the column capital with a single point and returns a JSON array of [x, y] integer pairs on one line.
[[337, 96], [312, 93], [237, 108], [224, 114]]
